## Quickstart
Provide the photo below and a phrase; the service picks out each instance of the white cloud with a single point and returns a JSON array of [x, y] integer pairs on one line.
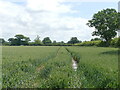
[[53, 6], [42, 5], [90, 0], [42, 17]]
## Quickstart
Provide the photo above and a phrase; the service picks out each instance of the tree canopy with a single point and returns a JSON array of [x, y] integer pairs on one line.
[[19, 40], [2, 41], [95, 39], [73, 40], [105, 23], [47, 41]]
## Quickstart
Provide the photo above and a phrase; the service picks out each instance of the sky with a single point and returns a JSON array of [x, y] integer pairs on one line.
[[58, 19]]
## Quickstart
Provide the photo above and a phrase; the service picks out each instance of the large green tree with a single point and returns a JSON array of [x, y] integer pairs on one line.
[[47, 41], [105, 23], [2, 41], [19, 40], [73, 40]]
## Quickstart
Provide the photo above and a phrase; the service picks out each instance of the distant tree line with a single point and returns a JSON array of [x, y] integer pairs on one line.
[[106, 23], [20, 39]]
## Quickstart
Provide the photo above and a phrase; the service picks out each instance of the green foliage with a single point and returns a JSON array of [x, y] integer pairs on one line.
[[118, 21], [73, 40], [115, 42], [89, 43], [105, 23], [58, 43], [47, 41], [95, 39], [2, 41], [19, 40]]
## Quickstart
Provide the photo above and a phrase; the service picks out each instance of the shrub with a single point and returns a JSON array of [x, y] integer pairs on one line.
[[103, 44], [89, 43], [115, 42]]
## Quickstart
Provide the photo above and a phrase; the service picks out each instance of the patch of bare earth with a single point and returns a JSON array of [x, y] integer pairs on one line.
[[39, 68]]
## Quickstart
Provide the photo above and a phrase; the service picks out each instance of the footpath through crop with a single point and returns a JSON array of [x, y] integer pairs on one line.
[[58, 72], [97, 67], [59, 67]]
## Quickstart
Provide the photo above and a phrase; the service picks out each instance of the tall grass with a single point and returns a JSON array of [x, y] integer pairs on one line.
[[20, 63], [98, 67], [57, 72], [51, 67]]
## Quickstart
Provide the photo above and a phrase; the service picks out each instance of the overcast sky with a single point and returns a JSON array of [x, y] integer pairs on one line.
[[58, 19]]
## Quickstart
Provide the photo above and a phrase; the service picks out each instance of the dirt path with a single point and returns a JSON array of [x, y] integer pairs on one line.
[[42, 66], [76, 83]]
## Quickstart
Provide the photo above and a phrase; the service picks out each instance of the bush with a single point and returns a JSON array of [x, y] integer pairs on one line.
[[103, 44], [89, 43], [115, 42]]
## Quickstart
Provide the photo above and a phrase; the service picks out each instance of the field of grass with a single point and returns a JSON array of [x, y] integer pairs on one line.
[[98, 66], [51, 67]]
